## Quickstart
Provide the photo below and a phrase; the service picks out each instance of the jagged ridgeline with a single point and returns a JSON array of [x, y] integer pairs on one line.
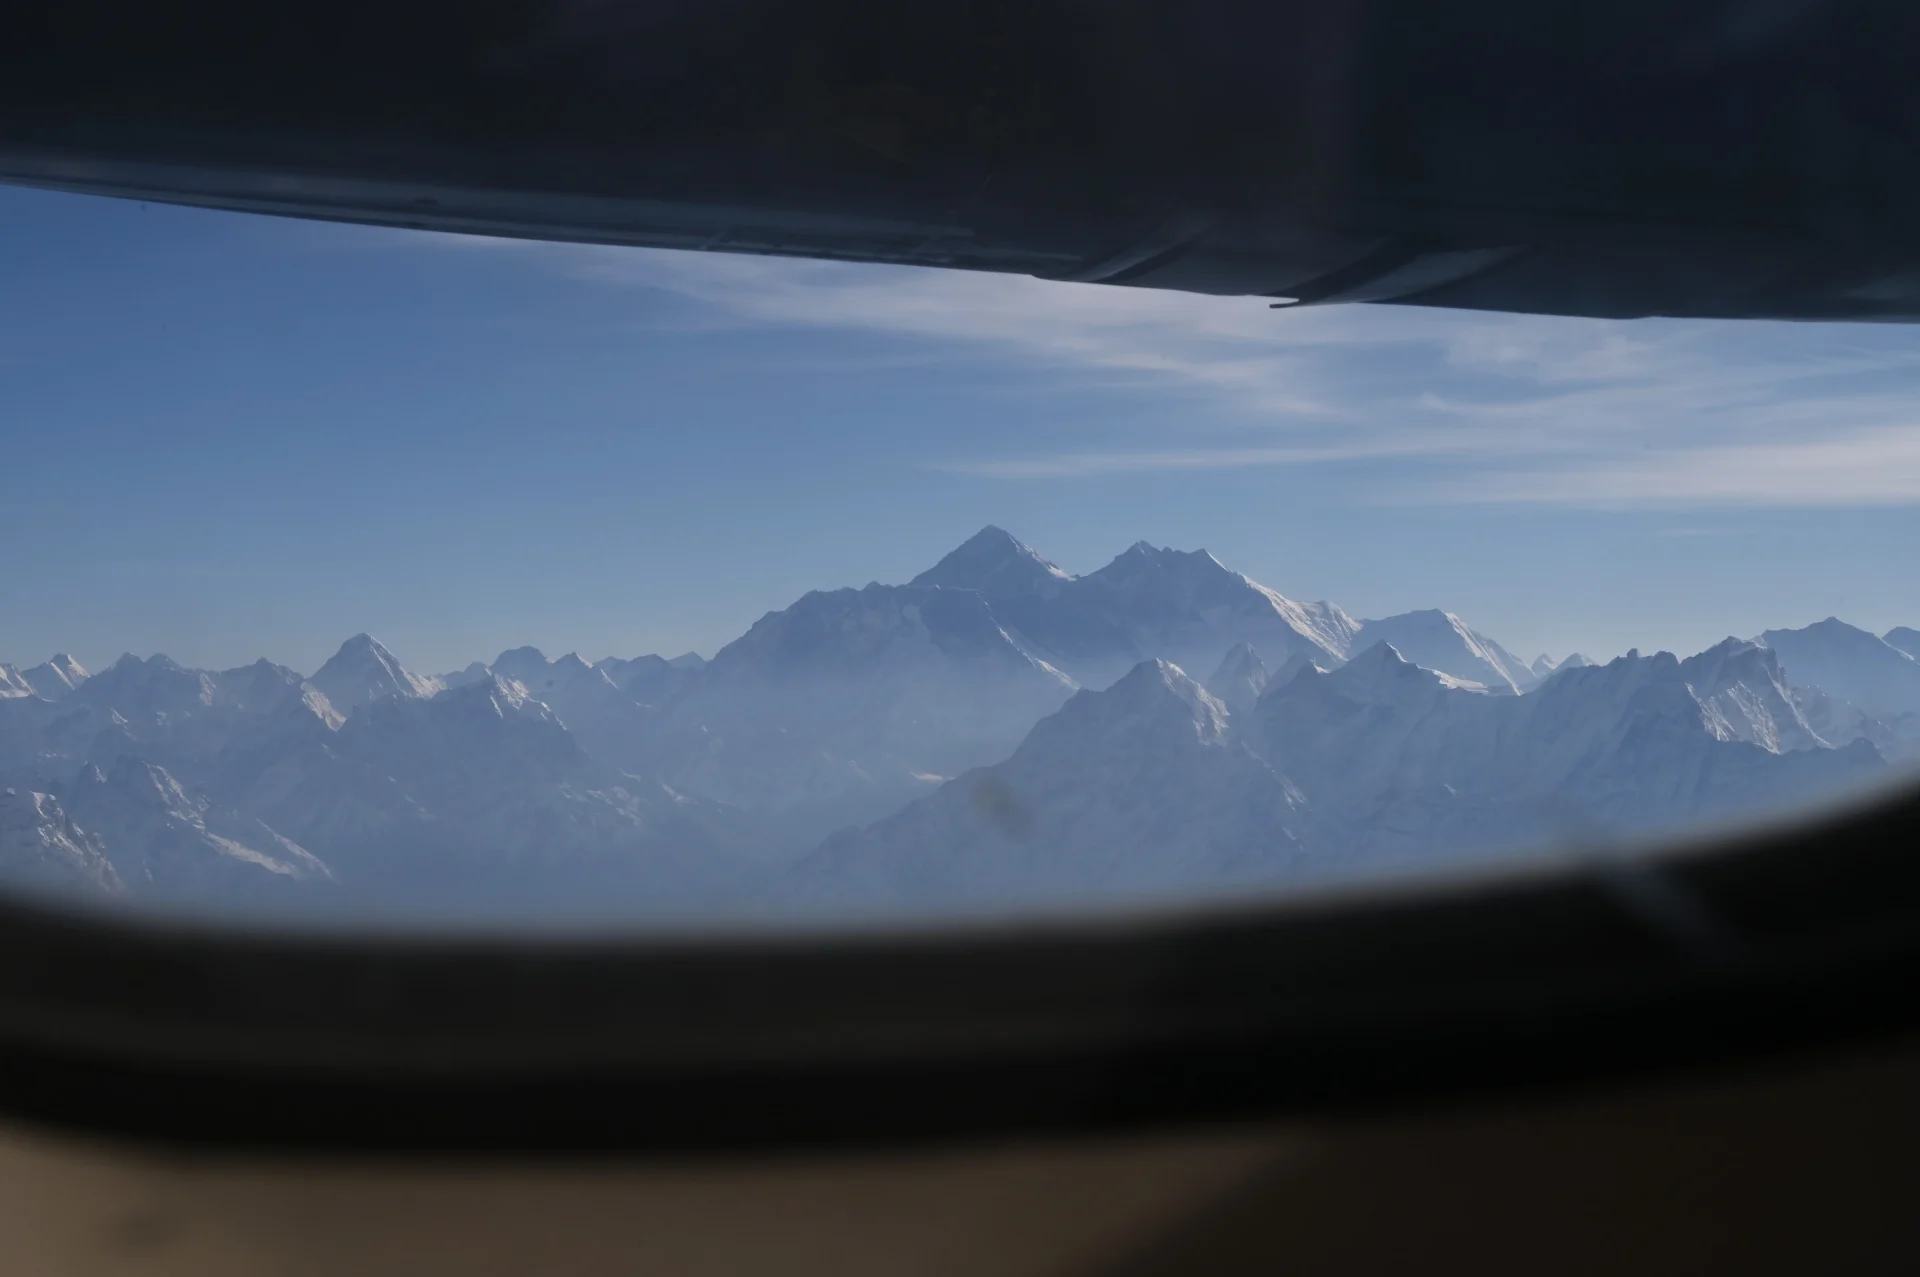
[[996, 733]]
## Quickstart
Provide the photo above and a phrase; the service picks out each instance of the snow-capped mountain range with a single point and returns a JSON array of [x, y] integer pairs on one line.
[[995, 733]]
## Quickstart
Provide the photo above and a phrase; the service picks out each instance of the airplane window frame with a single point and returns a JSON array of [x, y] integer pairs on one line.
[[1789, 938]]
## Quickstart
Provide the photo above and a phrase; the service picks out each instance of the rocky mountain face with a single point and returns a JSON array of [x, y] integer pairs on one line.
[[41, 849], [1143, 788], [166, 842]]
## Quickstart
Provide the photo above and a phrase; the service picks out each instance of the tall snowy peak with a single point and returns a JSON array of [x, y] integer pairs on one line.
[[1185, 606], [997, 565], [13, 685], [364, 671], [1442, 642], [1746, 697], [1850, 663]]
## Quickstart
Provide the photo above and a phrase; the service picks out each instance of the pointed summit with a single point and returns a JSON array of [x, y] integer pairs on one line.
[[1155, 691], [994, 563], [1184, 605], [53, 679], [364, 671], [1241, 678], [527, 665], [1375, 659], [1137, 790], [1744, 696], [1294, 667], [1850, 663], [1381, 674], [1151, 677], [1442, 642]]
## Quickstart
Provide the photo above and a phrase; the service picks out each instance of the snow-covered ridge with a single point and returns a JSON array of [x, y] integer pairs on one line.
[[997, 732]]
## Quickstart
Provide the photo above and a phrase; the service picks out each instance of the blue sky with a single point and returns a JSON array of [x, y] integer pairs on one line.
[[223, 437]]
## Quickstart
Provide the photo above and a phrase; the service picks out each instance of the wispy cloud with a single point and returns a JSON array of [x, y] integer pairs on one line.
[[1866, 468], [1509, 408], [1436, 443], [1080, 465]]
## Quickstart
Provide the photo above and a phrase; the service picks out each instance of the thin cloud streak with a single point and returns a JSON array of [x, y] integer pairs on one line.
[[1082, 465], [1871, 468], [1614, 412], [1088, 463]]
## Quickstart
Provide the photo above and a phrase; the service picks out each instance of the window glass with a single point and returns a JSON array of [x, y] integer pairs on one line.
[[365, 574]]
